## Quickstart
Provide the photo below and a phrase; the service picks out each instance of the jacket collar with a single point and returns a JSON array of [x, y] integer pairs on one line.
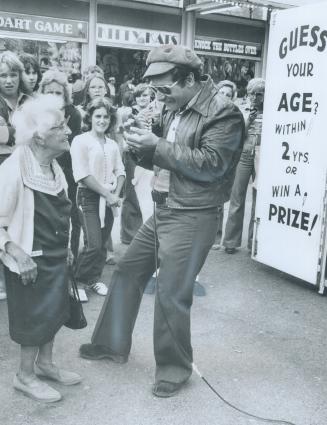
[[206, 94], [20, 100]]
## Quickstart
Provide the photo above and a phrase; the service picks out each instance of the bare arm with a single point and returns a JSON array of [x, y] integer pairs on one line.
[[92, 183], [116, 192]]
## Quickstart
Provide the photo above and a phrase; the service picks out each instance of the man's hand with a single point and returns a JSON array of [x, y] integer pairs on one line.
[[141, 141]]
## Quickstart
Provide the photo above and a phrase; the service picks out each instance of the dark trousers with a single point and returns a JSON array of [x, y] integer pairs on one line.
[[131, 215], [234, 224], [220, 222], [91, 260], [184, 240]]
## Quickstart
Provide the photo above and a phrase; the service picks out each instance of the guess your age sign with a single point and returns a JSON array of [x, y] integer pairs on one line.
[[291, 199]]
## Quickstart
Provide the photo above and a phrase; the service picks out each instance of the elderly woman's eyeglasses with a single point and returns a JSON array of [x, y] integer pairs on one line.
[[166, 89]]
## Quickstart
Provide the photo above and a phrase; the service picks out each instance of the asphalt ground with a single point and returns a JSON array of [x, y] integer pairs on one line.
[[259, 337]]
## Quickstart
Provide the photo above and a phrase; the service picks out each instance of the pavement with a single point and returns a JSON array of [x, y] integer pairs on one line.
[[259, 338]]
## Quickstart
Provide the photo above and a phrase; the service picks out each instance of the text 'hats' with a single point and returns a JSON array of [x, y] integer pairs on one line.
[[164, 58]]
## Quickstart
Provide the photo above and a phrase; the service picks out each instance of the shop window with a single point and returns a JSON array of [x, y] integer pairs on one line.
[[66, 56], [240, 71], [117, 63]]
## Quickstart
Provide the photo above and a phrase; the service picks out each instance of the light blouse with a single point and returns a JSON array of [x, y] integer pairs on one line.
[[90, 158]]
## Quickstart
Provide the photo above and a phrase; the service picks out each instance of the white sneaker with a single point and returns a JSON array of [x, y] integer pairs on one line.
[[82, 295], [3, 294], [99, 288]]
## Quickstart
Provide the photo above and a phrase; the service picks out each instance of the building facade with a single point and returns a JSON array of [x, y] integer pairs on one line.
[[117, 35]]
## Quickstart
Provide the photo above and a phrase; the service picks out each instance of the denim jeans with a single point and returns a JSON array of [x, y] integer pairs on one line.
[[184, 240], [91, 260], [234, 225]]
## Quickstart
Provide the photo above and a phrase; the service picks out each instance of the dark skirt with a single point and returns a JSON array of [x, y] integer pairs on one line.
[[36, 312]]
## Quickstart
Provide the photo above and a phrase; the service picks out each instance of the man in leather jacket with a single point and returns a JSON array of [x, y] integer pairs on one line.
[[194, 162]]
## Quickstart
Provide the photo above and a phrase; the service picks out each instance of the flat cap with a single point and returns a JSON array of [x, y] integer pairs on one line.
[[163, 58]]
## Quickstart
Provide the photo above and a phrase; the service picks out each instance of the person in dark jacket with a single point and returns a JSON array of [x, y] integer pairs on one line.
[[200, 146]]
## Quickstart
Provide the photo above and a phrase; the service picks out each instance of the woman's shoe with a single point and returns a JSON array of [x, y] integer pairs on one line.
[[37, 390], [62, 376]]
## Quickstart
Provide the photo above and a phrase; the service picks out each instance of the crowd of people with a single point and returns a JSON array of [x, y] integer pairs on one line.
[[167, 154]]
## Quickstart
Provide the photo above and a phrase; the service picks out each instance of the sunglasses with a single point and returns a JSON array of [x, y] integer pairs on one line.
[[166, 89]]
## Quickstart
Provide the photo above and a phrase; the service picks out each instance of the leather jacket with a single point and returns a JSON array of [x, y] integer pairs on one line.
[[203, 159]]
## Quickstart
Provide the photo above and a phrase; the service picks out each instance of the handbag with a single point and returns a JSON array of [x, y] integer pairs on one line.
[[77, 319]]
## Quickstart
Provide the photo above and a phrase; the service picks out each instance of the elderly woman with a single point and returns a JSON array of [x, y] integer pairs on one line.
[[100, 174], [34, 229], [55, 82], [245, 170]]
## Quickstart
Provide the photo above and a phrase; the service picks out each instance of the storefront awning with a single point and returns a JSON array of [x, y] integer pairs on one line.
[[253, 9]]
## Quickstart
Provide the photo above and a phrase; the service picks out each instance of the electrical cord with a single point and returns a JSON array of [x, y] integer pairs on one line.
[[182, 350]]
